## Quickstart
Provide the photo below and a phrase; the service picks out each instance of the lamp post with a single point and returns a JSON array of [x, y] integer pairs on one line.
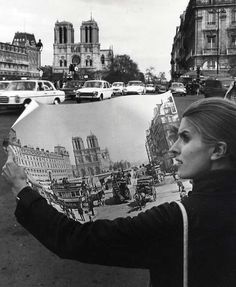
[[218, 12]]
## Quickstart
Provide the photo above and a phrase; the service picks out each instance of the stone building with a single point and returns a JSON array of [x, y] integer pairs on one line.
[[90, 160], [83, 57], [41, 164], [158, 136], [205, 39], [20, 59]]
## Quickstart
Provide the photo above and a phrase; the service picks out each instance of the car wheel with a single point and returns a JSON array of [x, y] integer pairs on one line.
[[101, 98], [56, 101], [26, 102]]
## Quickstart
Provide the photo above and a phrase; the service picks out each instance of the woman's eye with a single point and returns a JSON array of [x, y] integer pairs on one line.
[[185, 138]]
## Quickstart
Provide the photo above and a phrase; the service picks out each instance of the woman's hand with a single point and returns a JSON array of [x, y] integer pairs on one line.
[[14, 174]]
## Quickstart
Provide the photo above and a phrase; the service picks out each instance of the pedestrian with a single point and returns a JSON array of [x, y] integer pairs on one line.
[[180, 185], [206, 153], [91, 205], [231, 92], [80, 210]]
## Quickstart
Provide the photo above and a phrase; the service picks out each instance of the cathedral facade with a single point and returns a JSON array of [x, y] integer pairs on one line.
[[86, 55], [90, 160]]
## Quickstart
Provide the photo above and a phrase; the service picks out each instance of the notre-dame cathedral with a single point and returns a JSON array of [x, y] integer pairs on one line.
[[85, 55]]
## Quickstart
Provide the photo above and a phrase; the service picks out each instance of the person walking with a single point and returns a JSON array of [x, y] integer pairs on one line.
[[80, 210], [206, 153]]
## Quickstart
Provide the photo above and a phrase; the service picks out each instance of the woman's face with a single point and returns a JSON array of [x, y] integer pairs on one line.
[[193, 157]]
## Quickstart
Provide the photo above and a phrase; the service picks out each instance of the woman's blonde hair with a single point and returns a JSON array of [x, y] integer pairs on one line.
[[215, 120]]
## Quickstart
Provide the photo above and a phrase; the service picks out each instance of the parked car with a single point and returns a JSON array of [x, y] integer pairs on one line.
[[70, 88], [213, 88], [135, 87], [94, 90], [118, 88], [20, 93], [178, 89], [4, 85], [150, 88], [160, 89]]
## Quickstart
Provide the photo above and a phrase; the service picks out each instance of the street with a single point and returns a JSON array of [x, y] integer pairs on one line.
[[20, 251]]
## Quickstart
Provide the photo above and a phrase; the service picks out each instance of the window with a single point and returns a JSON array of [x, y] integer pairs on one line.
[[233, 40], [233, 16], [211, 41], [211, 65], [48, 86], [211, 18]]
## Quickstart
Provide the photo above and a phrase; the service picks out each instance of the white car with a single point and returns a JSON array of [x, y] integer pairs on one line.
[[19, 93], [118, 88], [94, 90], [150, 88], [177, 88], [135, 87]]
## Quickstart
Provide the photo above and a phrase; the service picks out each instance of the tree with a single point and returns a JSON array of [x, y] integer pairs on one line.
[[47, 72], [150, 75], [123, 69]]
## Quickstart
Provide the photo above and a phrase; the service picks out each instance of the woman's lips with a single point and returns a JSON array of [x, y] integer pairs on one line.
[[179, 162]]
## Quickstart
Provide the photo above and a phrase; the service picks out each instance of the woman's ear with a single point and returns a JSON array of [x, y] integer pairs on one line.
[[219, 151]]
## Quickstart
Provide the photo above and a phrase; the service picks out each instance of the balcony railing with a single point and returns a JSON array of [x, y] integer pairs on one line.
[[208, 51], [231, 51]]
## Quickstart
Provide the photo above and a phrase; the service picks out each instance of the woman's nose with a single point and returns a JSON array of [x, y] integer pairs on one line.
[[174, 150]]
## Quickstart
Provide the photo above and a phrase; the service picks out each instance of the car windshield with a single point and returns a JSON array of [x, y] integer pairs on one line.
[[176, 85], [73, 84], [21, 86], [93, 85], [117, 84], [3, 85], [134, 83]]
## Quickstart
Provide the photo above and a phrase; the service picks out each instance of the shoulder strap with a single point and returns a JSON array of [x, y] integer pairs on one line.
[[185, 243]]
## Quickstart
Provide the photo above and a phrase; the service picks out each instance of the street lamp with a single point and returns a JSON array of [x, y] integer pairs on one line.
[[218, 12]]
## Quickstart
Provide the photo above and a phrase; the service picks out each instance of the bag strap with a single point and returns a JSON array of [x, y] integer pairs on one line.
[[185, 243]]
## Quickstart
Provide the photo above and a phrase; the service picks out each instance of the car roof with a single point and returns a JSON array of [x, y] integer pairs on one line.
[[96, 81]]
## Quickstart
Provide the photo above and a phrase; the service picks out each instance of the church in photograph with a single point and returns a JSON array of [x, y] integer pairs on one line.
[[90, 160], [79, 58]]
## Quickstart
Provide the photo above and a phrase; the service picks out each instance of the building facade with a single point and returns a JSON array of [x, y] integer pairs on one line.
[[90, 160], [41, 164], [159, 135], [205, 39], [20, 59], [81, 57]]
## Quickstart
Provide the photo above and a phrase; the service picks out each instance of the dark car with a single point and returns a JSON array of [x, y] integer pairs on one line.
[[160, 89], [213, 88], [70, 88]]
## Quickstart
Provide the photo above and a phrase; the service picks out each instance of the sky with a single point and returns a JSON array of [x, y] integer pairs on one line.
[[119, 124], [144, 30]]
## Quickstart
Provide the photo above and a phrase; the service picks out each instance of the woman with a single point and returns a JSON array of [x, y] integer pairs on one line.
[[206, 153]]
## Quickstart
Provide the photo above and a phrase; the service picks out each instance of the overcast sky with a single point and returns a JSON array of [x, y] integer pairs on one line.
[[142, 29]]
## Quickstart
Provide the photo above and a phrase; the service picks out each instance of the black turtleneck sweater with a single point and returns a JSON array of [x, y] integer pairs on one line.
[[153, 239]]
